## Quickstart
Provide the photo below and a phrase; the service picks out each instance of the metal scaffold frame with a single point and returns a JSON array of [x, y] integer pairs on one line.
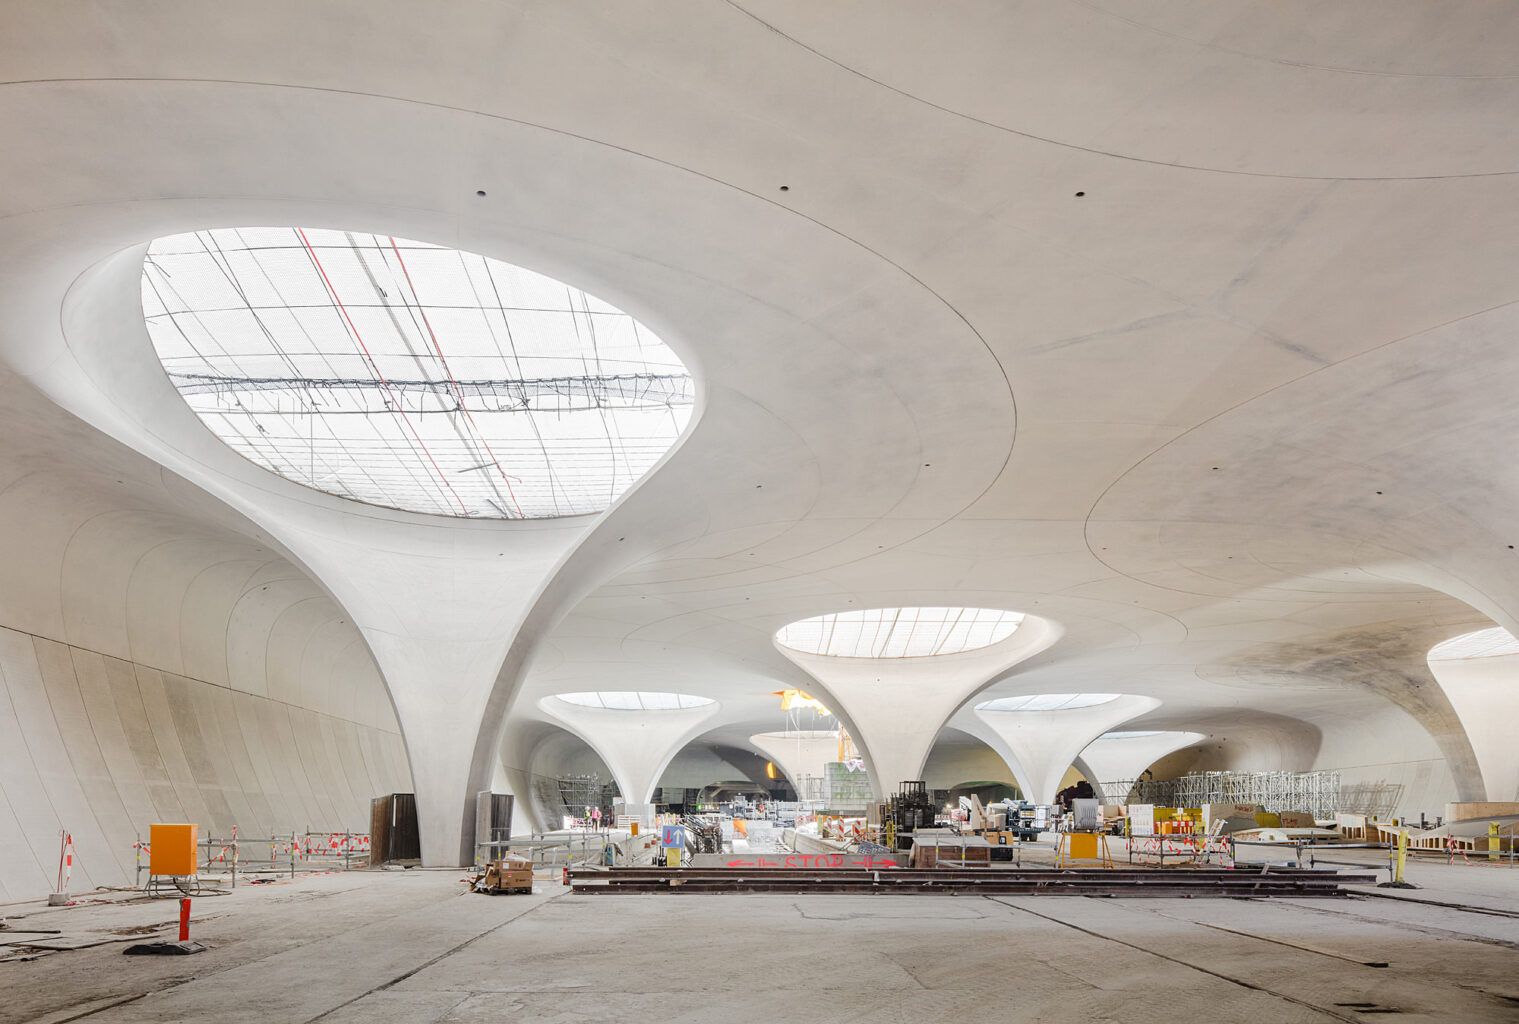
[[1318, 793]]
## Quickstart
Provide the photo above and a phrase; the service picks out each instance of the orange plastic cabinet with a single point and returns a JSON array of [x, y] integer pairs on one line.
[[173, 849]]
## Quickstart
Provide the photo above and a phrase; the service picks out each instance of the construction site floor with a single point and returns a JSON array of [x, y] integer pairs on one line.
[[413, 946]]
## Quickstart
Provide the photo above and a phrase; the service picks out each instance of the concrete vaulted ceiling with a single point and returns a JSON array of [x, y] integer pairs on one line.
[[1186, 331]]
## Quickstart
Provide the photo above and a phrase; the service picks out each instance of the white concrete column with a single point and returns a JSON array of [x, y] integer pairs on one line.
[[1117, 758], [439, 601], [799, 752], [424, 614], [1042, 744], [895, 707], [637, 746], [1485, 693]]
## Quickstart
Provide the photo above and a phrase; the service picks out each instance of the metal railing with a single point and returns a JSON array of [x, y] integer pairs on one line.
[[289, 853]]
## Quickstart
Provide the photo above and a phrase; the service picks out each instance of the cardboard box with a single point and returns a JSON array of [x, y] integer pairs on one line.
[[509, 874], [172, 849]]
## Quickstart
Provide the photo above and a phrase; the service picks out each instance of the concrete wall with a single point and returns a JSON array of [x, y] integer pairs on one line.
[[1485, 693], [104, 747], [699, 765], [1388, 763], [963, 760], [160, 660]]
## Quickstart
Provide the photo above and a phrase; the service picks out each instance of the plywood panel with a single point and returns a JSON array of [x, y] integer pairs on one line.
[[1483, 809]]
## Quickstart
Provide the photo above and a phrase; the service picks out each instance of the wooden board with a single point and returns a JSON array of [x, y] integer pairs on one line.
[[1483, 809]]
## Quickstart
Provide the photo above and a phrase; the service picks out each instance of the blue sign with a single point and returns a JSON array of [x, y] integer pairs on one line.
[[674, 837]]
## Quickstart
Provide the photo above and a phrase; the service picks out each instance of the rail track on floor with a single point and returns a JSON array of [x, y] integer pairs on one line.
[[1245, 883]]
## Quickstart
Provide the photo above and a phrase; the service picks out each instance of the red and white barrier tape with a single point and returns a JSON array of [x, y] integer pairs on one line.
[[65, 860]]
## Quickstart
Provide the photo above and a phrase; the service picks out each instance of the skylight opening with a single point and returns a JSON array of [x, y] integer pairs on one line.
[[410, 375], [1048, 702], [899, 632], [799, 734], [1131, 735], [1485, 643], [635, 700]]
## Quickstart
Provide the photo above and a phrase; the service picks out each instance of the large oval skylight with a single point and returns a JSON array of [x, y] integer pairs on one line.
[[1485, 643], [899, 632], [635, 700], [405, 374], [1047, 702]]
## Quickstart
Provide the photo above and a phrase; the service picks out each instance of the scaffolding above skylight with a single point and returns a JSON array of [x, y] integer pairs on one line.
[[635, 700], [409, 375], [899, 632]]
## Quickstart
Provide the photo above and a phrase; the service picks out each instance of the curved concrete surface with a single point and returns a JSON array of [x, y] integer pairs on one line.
[[103, 747], [1189, 334]]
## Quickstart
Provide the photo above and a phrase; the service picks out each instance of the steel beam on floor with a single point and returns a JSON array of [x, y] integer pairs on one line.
[[1216, 882]]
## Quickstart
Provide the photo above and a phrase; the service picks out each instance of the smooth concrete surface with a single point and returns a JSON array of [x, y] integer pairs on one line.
[[799, 753], [1041, 745], [1485, 691], [895, 707], [103, 748], [1188, 330], [413, 947], [1120, 758], [636, 746]]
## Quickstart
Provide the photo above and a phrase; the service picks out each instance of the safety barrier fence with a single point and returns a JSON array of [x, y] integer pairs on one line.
[[286, 853], [576, 847], [1298, 847]]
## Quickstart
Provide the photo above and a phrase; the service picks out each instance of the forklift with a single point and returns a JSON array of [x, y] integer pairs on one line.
[[910, 809]]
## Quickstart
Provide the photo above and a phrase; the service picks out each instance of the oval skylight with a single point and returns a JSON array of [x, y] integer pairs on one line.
[[409, 375], [1048, 702], [1132, 735], [798, 734], [635, 700], [1485, 643], [899, 632]]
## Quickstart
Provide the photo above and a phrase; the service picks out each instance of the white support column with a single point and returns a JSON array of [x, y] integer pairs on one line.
[[799, 752], [1121, 758], [895, 707], [637, 746], [1485, 693], [423, 612], [438, 602], [1046, 742]]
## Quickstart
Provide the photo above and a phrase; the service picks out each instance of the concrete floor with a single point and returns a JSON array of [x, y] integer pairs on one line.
[[410, 946]]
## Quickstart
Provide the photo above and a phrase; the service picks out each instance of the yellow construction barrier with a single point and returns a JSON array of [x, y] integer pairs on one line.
[[1089, 846]]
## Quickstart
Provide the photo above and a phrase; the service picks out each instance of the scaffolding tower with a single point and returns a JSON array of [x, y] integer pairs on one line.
[[570, 794], [1318, 793]]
